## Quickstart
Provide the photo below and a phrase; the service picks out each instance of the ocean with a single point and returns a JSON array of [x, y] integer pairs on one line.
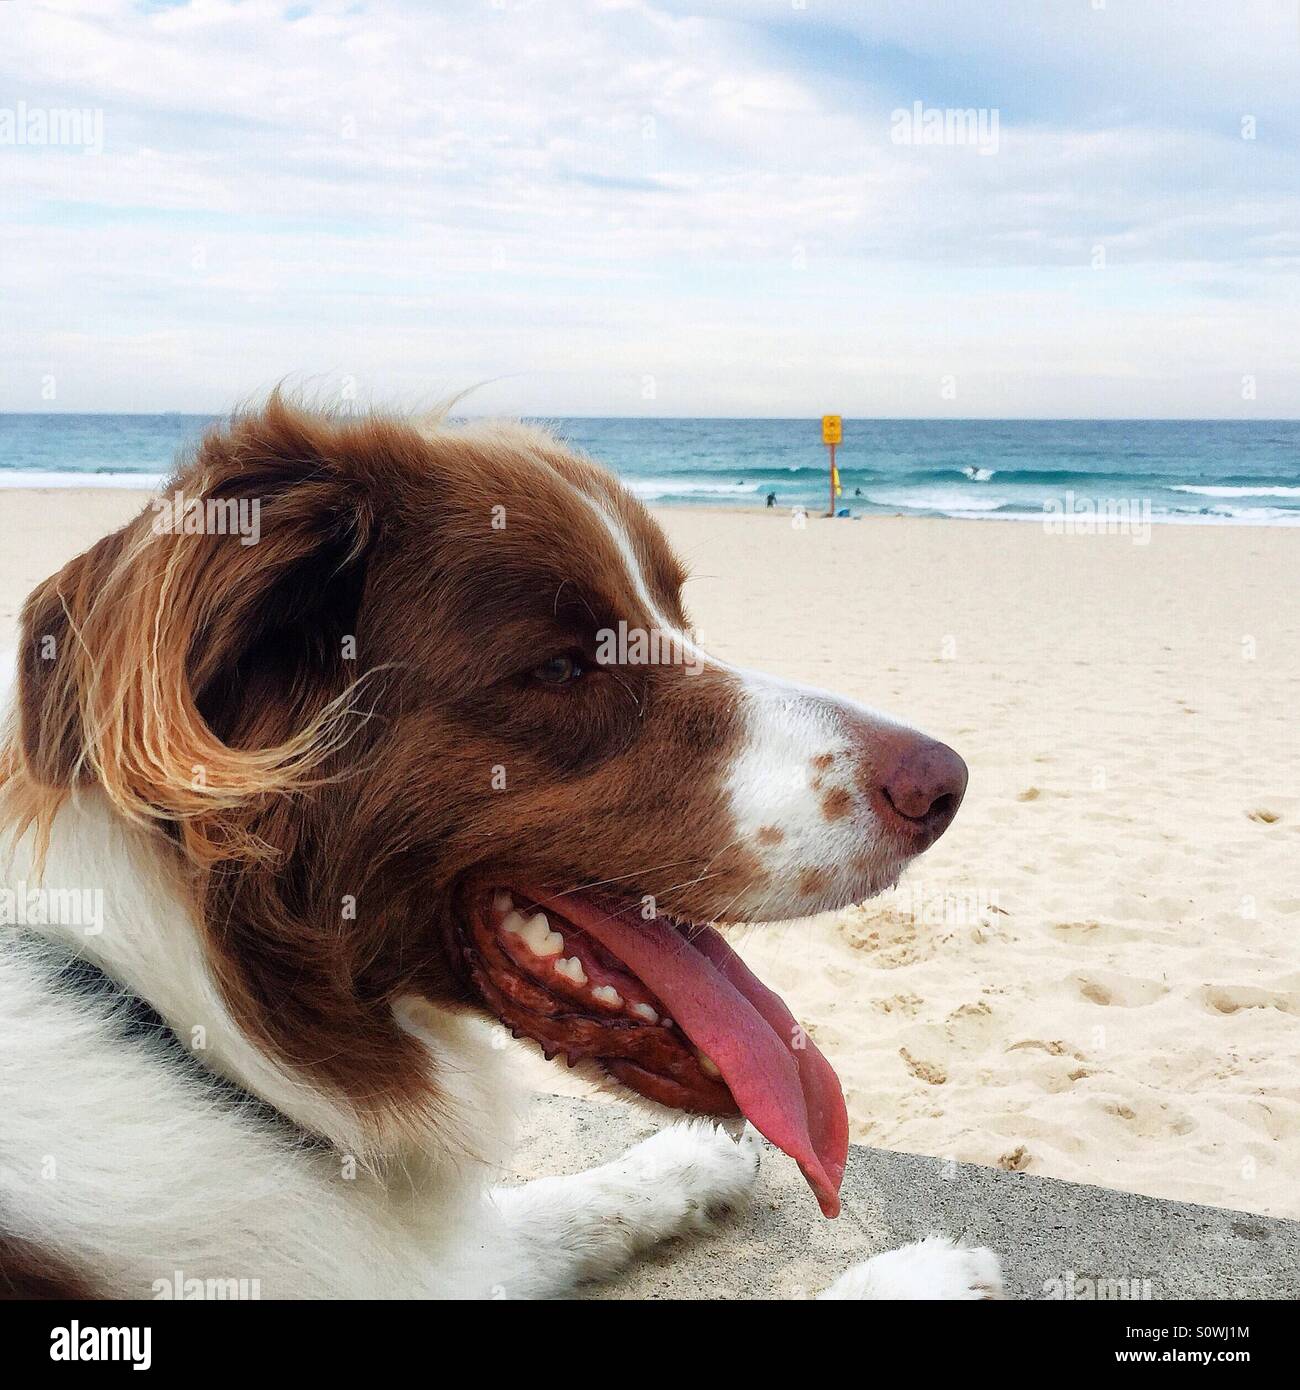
[[1225, 472]]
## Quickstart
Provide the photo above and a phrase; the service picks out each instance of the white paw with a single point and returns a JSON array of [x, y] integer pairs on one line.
[[697, 1170], [933, 1268]]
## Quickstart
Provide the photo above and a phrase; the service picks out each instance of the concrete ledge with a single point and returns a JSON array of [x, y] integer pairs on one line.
[[1048, 1233]]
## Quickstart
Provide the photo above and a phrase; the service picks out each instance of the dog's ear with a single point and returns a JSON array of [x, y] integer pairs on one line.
[[49, 714], [200, 656]]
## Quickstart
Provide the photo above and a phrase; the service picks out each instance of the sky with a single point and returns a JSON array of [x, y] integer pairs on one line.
[[619, 207]]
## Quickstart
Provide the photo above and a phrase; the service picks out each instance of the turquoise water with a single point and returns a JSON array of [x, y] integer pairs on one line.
[[1231, 472]]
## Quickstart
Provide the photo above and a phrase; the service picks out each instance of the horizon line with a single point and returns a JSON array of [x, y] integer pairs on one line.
[[725, 419]]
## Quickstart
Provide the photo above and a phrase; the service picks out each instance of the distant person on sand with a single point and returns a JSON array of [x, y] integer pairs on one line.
[[771, 499]]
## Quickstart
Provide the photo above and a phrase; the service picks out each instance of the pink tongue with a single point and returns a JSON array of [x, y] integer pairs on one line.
[[785, 1087]]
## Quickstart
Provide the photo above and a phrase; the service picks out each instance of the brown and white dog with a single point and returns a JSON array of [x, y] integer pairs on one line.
[[353, 796]]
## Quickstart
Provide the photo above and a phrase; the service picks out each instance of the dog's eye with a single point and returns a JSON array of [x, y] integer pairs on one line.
[[557, 670]]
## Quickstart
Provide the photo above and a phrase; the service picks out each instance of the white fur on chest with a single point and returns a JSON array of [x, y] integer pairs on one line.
[[122, 1158]]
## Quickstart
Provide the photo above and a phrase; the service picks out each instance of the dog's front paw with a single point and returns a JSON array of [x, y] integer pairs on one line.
[[698, 1171], [590, 1225], [933, 1268]]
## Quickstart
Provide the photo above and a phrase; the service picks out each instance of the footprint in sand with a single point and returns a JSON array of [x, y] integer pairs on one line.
[[1231, 999], [1150, 1119], [929, 1072], [1121, 991], [907, 1004], [1029, 794], [1055, 1076], [972, 1025], [1092, 933], [886, 935], [1055, 1046], [1263, 816]]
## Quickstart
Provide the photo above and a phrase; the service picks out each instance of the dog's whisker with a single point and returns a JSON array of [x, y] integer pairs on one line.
[[622, 878], [687, 883]]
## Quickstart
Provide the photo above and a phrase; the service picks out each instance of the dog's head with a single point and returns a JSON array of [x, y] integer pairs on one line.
[[426, 717]]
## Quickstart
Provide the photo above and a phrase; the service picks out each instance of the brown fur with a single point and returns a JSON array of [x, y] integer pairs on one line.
[[28, 1271], [206, 687], [836, 804]]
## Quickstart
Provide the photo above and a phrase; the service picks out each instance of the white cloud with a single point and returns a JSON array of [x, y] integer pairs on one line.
[[577, 196]]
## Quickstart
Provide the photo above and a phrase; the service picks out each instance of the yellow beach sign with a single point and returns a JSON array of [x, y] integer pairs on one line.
[[833, 434]]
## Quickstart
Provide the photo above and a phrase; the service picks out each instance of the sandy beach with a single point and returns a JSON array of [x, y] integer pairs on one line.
[[1095, 975]]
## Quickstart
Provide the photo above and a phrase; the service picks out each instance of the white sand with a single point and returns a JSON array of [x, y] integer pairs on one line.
[[1096, 973]]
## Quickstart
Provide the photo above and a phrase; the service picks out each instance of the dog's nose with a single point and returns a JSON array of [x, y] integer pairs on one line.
[[923, 786]]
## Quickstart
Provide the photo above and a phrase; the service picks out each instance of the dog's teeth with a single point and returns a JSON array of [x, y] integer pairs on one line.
[[537, 935], [571, 968], [502, 904], [607, 994], [535, 932], [707, 1065], [646, 1012]]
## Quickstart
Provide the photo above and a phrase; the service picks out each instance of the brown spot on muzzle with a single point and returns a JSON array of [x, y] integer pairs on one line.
[[812, 882], [836, 804]]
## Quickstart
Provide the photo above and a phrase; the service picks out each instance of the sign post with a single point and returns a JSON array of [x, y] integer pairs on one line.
[[833, 434]]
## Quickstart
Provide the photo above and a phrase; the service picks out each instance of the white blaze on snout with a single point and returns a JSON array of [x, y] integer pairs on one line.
[[794, 751], [796, 794]]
